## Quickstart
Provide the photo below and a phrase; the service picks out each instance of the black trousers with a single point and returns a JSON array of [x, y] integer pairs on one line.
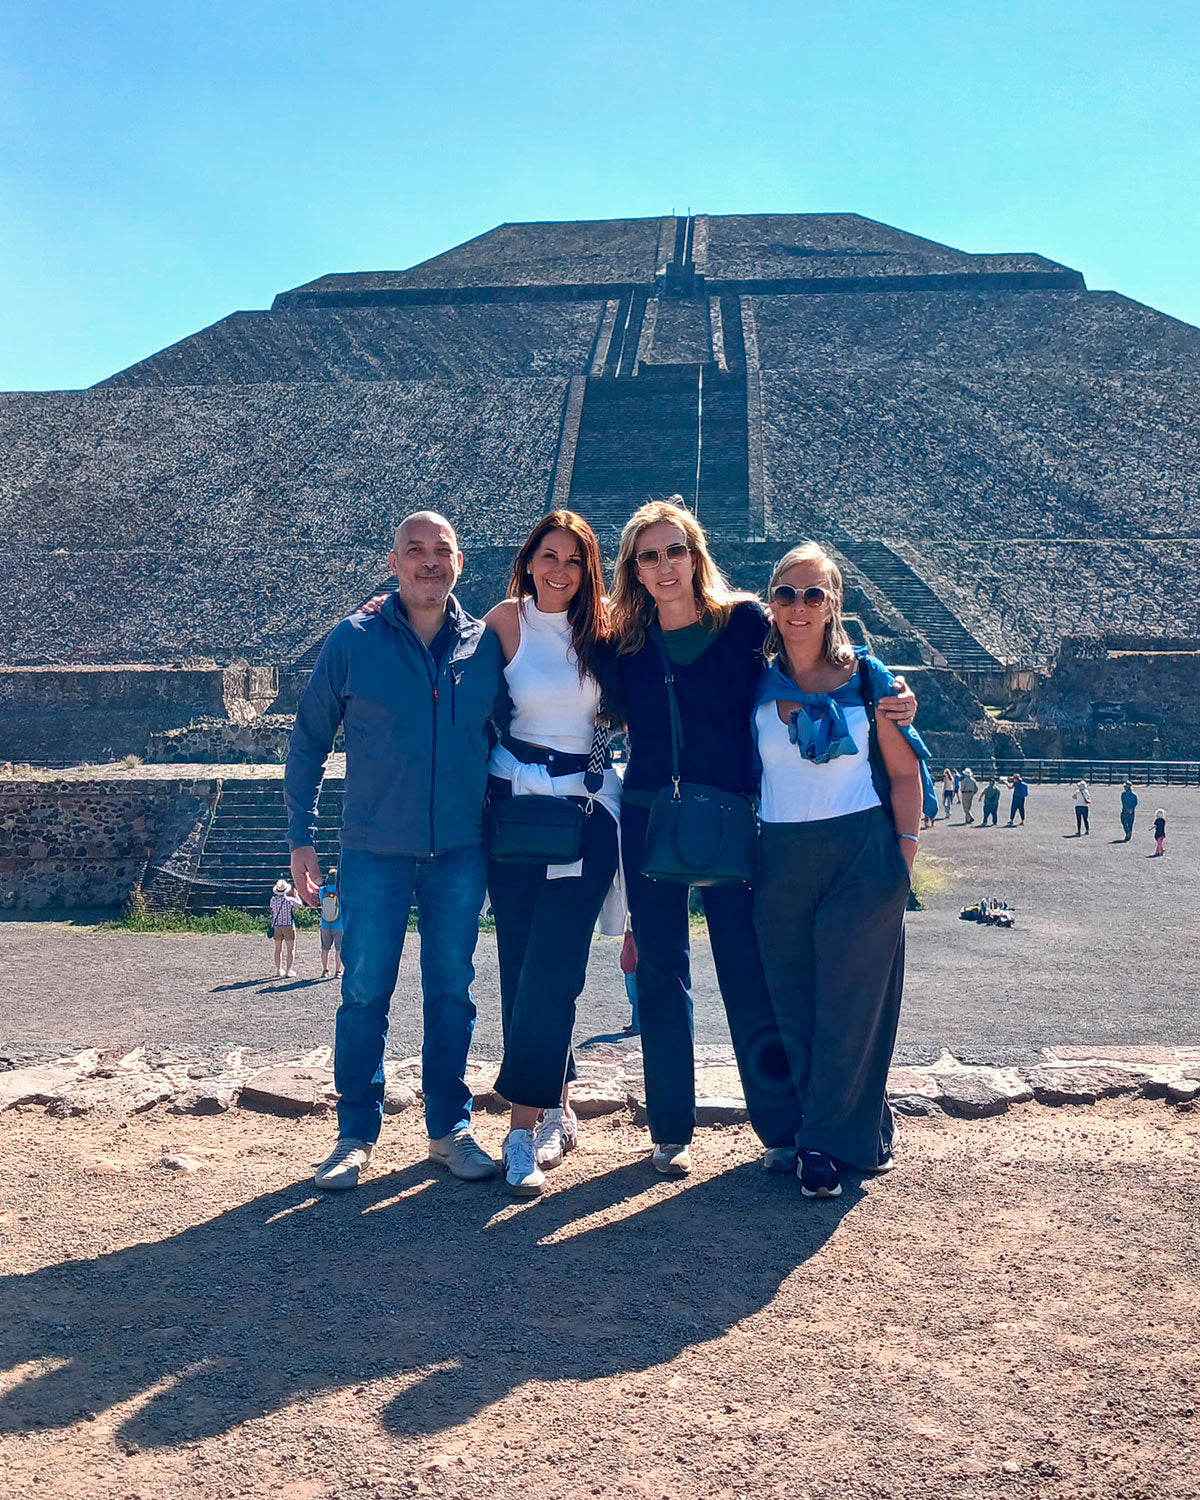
[[1127, 817], [660, 927], [1081, 819], [830, 916], [543, 936]]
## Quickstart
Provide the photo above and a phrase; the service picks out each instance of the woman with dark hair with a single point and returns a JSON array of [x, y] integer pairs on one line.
[[553, 628], [840, 818], [673, 611]]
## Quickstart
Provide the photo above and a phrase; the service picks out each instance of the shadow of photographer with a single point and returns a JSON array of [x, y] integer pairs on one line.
[[447, 1286]]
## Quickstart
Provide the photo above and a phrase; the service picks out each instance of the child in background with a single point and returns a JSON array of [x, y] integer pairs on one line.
[[329, 903], [1160, 831]]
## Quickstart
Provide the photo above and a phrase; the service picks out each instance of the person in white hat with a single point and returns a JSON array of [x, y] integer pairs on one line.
[[284, 902]]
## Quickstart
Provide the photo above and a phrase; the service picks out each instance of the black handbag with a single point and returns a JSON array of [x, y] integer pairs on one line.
[[530, 830], [697, 835]]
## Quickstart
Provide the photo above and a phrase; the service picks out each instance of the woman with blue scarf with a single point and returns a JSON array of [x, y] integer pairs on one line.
[[838, 841]]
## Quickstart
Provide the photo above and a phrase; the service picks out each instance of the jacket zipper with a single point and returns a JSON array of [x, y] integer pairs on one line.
[[433, 758]]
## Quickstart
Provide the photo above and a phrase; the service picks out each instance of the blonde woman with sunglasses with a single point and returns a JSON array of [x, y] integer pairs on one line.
[[669, 596], [840, 818]]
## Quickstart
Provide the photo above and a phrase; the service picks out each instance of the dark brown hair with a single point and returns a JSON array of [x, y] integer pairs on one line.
[[587, 613]]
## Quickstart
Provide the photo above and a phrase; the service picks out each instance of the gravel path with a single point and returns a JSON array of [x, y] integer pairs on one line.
[[1012, 1313], [1105, 951]]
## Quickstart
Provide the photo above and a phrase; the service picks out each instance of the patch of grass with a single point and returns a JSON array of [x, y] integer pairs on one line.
[[929, 879]]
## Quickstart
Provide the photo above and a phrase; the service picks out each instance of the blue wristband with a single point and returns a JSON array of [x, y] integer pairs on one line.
[[912, 836]]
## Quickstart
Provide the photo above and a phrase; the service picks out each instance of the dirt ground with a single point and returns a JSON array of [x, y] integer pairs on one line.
[[1012, 1312]]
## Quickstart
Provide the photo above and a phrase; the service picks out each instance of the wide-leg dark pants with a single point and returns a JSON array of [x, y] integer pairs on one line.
[[543, 937], [660, 926], [829, 911]]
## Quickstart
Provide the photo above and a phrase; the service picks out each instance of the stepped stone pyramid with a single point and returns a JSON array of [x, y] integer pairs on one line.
[[1002, 456]]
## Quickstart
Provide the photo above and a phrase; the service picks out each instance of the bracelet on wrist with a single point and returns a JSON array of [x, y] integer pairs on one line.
[[912, 836]]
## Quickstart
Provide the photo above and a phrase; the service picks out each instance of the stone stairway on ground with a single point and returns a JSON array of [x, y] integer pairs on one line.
[[246, 851], [913, 597]]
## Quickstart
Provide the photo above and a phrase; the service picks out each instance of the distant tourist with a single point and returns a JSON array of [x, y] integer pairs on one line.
[[1020, 792], [1160, 831], [1129, 804], [413, 687], [967, 787], [948, 779], [991, 802], [1083, 805], [284, 902], [329, 904], [839, 836]]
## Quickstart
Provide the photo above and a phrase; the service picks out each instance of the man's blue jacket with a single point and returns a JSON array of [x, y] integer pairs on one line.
[[417, 735]]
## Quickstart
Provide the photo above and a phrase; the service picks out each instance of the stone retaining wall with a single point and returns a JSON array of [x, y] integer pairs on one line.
[[59, 714], [218, 742], [67, 845]]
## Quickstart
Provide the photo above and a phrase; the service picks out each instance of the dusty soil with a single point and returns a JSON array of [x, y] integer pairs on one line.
[[1012, 1312]]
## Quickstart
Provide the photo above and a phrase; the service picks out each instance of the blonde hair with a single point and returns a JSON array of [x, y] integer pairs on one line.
[[633, 607], [838, 647]]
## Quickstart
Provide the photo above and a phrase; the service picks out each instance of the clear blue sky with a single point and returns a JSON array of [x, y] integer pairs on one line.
[[164, 164]]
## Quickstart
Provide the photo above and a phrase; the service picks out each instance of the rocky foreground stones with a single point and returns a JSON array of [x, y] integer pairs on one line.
[[104, 1085]]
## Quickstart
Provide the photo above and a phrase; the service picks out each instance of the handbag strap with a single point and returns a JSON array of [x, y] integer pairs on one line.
[[598, 761], [672, 705]]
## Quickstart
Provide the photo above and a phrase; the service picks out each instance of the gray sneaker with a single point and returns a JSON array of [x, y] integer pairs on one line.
[[341, 1167], [780, 1159], [465, 1157], [672, 1160]]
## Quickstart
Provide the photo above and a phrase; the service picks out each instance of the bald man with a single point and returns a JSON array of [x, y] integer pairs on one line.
[[413, 687]]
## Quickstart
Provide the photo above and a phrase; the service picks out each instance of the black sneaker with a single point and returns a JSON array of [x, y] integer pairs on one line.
[[818, 1175]]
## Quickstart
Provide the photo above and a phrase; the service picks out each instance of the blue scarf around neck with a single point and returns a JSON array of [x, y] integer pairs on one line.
[[818, 726]]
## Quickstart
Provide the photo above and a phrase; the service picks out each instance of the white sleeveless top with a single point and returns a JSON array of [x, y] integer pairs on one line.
[[552, 705], [795, 790]]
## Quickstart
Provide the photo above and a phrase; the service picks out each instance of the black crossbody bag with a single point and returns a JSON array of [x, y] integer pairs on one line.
[[529, 830], [697, 835]]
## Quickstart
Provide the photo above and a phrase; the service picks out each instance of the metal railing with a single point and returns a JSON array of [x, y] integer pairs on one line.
[[1103, 772]]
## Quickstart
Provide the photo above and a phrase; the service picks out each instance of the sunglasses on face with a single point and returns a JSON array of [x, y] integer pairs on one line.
[[651, 557], [784, 593]]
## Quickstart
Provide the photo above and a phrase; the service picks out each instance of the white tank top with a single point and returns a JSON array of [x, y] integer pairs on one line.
[[795, 790], [552, 704]]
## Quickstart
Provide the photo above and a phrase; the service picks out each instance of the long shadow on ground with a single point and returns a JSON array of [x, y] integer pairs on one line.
[[290, 1295]]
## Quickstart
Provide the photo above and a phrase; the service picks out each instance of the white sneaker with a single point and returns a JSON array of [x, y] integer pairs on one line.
[[341, 1167], [672, 1160], [557, 1133], [291, 974], [523, 1178]]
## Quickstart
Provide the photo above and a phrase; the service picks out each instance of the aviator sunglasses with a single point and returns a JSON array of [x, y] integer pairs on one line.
[[784, 593], [651, 557]]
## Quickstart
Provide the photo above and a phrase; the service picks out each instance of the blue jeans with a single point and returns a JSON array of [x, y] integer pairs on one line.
[[377, 892]]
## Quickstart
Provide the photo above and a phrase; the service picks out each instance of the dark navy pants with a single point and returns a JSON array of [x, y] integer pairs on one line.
[[660, 927], [829, 910], [543, 937]]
